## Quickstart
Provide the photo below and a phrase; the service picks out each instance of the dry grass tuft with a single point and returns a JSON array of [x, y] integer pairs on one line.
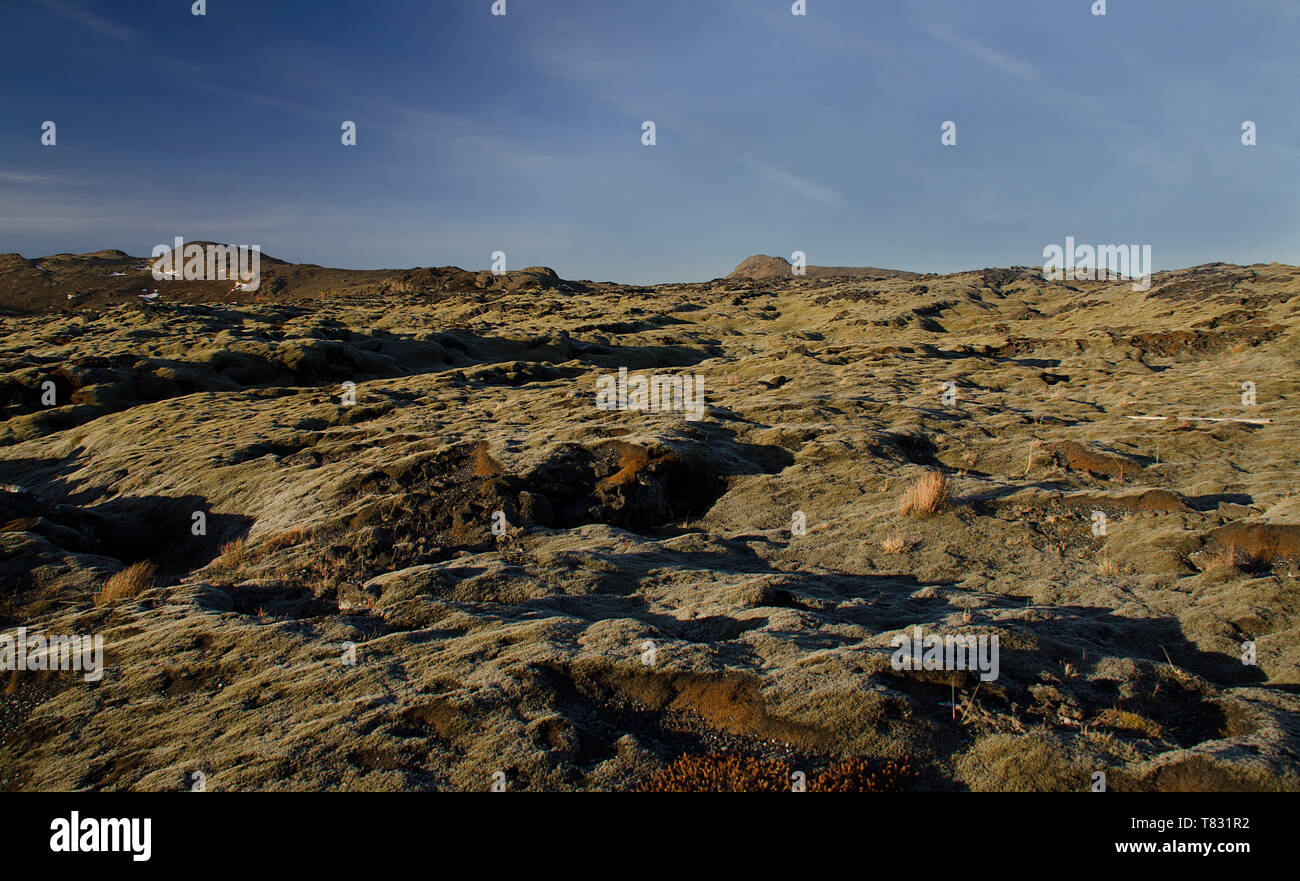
[[287, 539], [1223, 558], [721, 773], [1130, 723], [484, 464], [927, 495], [232, 553], [1107, 566], [131, 581], [736, 773], [633, 461], [860, 775], [893, 545]]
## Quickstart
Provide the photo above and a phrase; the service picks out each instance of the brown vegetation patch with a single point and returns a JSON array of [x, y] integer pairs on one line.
[[1129, 723], [738, 773], [1077, 457], [729, 701], [1147, 501], [1184, 343], [1259, 543], [633, 463]]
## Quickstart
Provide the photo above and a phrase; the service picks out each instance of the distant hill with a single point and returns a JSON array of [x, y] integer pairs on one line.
[[761, 267], [73, 282]]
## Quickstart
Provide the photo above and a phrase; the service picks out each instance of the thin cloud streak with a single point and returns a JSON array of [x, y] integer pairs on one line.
[[802, 186], [90, 20], [988, 56], [18, 177]]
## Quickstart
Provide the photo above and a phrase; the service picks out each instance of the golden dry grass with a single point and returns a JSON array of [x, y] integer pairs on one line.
[[131, 581], [232, 553], [1107, 566], [927, 495], [286, 539], [1130, 723], [893, 544]]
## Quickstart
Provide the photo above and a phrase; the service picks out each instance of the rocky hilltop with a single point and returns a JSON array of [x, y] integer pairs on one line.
[[761, 267], [72, 283], [377, 530]]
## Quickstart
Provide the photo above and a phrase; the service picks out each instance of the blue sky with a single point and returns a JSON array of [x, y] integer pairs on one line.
[[776, 133]]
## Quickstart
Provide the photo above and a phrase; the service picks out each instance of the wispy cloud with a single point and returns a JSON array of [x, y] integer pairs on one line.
[[256, 98], [88, 19], [825, 32], [120, 219], [18, 177], [800, 185], [615, 75], [457, 135], [590, 65], [986, 55]]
